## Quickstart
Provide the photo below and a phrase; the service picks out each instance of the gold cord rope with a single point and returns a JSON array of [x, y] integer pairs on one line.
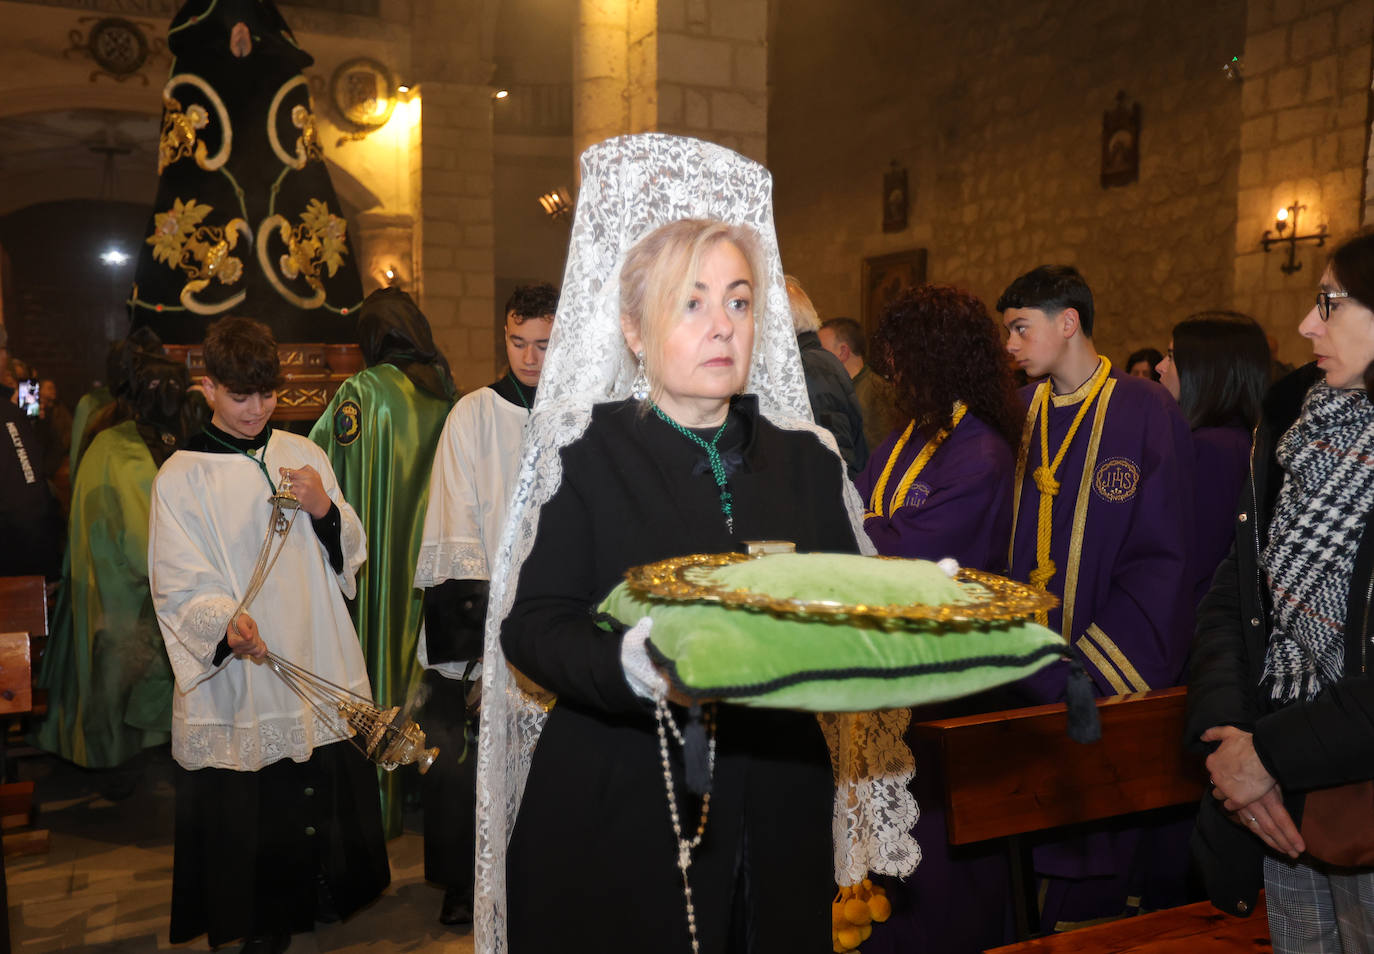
[[1045, 481], [876, 499]]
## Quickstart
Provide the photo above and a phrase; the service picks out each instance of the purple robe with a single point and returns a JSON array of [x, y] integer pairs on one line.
[[1120, 535], [1120, 541], [1221, 458], [959, 505], [959, 898]]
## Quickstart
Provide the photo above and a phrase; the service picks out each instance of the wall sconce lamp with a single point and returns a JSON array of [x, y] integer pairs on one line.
[[500, 93], [392, 276], [557, 204], [1285, 219]]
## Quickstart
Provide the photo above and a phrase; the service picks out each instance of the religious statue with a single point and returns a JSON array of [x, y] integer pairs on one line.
[[246, 219]]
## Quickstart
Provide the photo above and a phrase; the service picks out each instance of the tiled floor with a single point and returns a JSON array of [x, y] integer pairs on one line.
[[105, 885]]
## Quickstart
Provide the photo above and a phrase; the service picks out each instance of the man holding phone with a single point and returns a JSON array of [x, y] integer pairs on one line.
[[29, 400], [30, 521]]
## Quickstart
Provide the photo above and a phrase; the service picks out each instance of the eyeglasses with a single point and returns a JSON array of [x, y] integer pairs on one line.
[[1324, 300]]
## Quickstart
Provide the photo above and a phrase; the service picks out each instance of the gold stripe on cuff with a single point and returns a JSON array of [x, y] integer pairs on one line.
[[1119, 658], [1094, 656]]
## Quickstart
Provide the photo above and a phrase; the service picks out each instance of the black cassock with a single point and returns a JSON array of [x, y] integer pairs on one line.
[[592, 860]]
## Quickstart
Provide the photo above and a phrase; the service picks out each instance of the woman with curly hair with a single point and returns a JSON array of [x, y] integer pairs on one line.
[[940, 485]]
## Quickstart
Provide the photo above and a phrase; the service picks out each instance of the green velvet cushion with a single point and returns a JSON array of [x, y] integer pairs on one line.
[[819, 663]]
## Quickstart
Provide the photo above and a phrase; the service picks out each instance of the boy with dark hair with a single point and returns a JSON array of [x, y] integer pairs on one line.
[[475, 468], [532, 301], [277, 820], [1100, 515]]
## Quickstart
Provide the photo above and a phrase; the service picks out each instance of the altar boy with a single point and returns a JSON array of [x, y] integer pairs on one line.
[[278, 822]]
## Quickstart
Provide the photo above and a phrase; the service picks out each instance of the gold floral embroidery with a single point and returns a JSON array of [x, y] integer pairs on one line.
[[318, 241], [201, 251], [308, 145], [179, 133]]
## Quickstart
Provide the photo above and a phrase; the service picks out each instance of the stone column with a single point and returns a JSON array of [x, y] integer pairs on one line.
[[692, 67], [451, 176], [1304, 138]]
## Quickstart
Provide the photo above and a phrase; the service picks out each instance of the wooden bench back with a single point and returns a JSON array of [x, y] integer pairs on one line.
[[1017, 771], [23, 605], [16, 674]]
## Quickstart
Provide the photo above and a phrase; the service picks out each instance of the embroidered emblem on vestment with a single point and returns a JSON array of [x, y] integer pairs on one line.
[[348, 423], [1116, 479], [918, 494]]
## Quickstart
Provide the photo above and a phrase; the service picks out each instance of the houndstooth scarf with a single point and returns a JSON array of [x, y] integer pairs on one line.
[[1328, 459]]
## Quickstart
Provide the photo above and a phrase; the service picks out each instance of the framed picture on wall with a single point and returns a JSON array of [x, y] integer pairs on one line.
[[887, 276]]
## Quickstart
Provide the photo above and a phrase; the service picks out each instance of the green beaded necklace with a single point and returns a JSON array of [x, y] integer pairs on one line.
[[520, 392], [727, 506]]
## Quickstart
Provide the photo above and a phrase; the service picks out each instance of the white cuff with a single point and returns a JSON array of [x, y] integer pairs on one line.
[[641, 674]]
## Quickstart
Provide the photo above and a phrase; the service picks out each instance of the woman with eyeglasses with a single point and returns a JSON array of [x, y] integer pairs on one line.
[[1280, 691], [1217, 369]]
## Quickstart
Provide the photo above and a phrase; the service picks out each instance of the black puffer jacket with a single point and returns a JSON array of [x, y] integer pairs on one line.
[[1306, 745], [833, 401]]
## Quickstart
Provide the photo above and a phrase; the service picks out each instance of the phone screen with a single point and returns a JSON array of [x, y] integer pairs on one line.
[[28, 397]]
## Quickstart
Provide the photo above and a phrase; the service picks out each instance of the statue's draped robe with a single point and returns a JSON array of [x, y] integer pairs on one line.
[[246, 220]]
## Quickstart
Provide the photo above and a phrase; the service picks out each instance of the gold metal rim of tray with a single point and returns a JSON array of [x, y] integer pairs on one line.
[[687, 579]]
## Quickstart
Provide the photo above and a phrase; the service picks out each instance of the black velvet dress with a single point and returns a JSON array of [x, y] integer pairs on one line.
[[592, 860]]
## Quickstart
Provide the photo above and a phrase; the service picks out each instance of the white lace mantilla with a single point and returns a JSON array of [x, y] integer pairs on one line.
[[630, 186]]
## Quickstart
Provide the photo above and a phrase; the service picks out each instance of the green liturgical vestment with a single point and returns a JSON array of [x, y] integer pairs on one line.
[[106, 671], [380, 432], [90, 404]]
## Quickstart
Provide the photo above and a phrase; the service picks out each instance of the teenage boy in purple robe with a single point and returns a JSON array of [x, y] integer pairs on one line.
[[1101, 518]]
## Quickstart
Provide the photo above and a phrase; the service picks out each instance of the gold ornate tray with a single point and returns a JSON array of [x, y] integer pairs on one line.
[[992, 598]]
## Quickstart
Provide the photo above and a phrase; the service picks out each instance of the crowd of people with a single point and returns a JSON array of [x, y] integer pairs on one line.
[[1197, 522]]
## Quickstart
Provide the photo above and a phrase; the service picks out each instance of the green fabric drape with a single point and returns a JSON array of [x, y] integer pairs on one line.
[[86, 408], [380, 432], [105, 668]]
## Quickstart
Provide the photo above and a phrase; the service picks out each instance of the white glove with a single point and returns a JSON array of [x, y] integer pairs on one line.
[[641, 674]]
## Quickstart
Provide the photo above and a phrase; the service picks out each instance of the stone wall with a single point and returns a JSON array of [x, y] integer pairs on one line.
[[534, 150], [713, 72], [1304, 139], [996, 110], [689, 67], [456, 242]]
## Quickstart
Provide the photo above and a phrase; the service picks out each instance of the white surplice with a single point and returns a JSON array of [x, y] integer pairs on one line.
[[210, 513], [475, 467]]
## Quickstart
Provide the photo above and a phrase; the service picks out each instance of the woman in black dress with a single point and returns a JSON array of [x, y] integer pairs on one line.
[[692, 467]]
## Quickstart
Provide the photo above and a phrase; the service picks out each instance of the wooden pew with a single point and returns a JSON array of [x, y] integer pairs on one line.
[[23, 631], [24, 605], [1010, 773], [24, 609], [1190, 929]]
